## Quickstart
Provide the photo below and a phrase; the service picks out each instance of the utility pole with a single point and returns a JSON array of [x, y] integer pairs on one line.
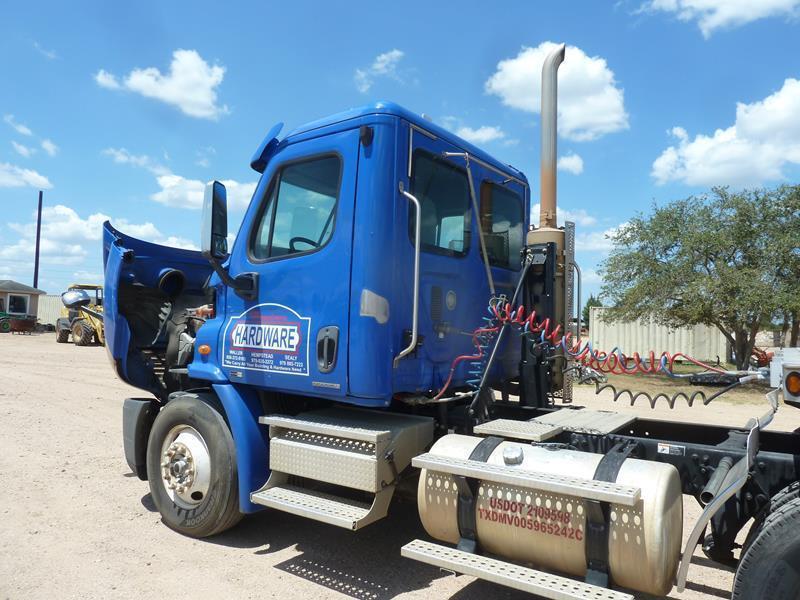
[[38, 236]]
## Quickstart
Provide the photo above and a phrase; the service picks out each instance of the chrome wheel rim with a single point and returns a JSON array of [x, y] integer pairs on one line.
[[185, 466]]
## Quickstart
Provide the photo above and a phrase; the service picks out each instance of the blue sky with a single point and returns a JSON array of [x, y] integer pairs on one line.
[[124, 110]]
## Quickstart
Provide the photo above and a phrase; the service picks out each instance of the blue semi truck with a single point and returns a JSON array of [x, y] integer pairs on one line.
[[363, 336]]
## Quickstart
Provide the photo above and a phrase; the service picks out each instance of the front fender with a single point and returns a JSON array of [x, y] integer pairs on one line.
[[242, 409]]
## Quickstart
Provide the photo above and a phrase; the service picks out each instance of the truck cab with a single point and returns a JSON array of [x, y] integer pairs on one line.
[[328, 247]]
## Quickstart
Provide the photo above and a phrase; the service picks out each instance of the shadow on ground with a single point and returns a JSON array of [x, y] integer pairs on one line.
[[365, 564]]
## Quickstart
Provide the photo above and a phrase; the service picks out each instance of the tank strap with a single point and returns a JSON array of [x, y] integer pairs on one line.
[[467, 490], [598, 516]]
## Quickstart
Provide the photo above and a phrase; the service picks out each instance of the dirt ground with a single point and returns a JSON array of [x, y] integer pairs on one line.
[[77, 524]]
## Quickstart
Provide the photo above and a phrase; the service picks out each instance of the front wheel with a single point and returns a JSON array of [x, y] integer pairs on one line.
[[82, 332], [770, 567], [191, 467]]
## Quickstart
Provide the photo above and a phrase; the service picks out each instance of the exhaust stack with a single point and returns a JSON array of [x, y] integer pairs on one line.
[[547, 200], [555, 306]]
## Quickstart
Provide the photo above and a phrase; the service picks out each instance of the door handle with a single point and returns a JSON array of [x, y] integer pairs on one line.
[[327, 343]]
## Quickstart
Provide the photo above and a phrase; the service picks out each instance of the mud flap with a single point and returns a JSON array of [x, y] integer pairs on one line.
[[138, 415]]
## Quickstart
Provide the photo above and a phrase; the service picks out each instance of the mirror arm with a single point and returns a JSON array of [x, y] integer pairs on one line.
[[222, 272], [244, 284]]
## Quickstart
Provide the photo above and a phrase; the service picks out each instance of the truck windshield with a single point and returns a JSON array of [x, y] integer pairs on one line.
[[300, 212]]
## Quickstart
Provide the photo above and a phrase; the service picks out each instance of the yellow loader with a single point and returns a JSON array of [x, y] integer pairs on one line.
[[85, 323]]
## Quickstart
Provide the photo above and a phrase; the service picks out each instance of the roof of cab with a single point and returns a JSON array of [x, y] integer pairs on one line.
[[390, 108]]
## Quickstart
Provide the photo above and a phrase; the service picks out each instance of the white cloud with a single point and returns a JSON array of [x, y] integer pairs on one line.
[[23, 150], [69, 239], [178, 242], [65, 239], [14, 176], [121, 156], [578, 216], [48, 54], [87, 276], [571, 163], [204, 156], [720, 14], [590, 104], [49, 147], [481, 135], [190, 85], [181, 192], [106, 80], [18, 127], [755, 149], [384, 65], [239, 194], [178, 191], [591, 277], [597, 241]]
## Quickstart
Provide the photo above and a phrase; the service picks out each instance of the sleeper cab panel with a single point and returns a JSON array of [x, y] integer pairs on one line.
[[375, 315]]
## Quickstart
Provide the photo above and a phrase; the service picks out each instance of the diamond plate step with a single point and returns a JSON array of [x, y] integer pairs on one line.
[[319, 425], [532, 431], [320, 506], [585, 420], [557, 484], [508, 574], [354, 448], [340, 467]]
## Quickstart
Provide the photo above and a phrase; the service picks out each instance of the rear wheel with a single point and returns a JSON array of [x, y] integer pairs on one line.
[[62, 336], [787, 494], [191, 467], [770, 567], [5, 326], [82, 332]]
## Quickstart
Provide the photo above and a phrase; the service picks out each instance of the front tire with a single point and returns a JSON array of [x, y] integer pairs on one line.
[[62, 336], [770, 567], [82, 332], [191, 467]]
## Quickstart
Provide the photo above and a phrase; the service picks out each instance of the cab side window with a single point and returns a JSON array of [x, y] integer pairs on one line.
[[299, 214], [502, 221], [443, 192]]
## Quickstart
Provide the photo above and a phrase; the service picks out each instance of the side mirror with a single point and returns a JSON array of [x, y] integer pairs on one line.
[[75, 298], [214, 234], [214, 241]]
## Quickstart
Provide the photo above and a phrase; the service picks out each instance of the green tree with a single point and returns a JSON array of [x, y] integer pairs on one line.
[[786, 244], [721, 259], [592, 301]]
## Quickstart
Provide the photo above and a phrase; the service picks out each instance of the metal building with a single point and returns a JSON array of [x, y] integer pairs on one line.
[[49, 309], [642, 336]]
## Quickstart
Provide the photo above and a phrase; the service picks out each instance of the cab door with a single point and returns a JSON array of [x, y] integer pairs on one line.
[[297, 239]]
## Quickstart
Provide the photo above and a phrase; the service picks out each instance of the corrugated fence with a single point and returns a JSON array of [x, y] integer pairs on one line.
[[49, 309], [642, 336]]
